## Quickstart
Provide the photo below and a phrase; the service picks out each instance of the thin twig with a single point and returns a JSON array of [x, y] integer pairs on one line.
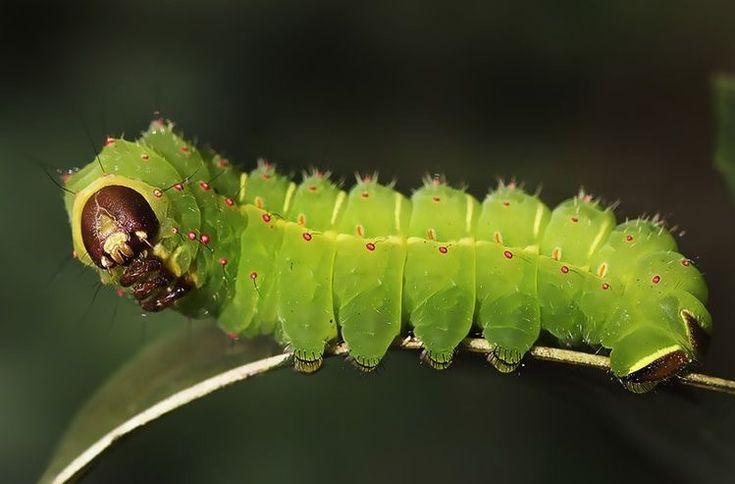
[[471, 345], [571, 357]]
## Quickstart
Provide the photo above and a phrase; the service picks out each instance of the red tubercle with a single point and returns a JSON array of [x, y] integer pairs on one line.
[[233, 336], [307, 236], [656, 279], [191, 235], [443, 249], [179, 187], [564, 269], [370, 246], [266, 217], [605, 286], [204, 186], [120, 292], [223, 163], [508, 254], [253, 275], [229, 202], [109, 141], [686, 262], [204, 239], [184, 149], [629, 238], [223, 261]]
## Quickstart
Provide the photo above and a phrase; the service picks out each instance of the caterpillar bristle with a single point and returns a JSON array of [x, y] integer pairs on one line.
[[636, 387], [505, 361], [367, 178], [435, 179], [365, 365], [438, 361], [309, 365]]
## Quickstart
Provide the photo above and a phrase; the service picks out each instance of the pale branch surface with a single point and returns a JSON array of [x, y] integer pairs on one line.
[[209, 385]]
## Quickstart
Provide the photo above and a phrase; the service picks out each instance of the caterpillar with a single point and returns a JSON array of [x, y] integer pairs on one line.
[[310, 263]]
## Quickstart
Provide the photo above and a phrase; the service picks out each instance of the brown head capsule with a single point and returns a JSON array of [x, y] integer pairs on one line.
[[117, 223]]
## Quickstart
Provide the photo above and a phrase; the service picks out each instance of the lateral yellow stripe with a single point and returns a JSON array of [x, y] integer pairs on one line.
[[598, 240], [243, 187], [289, 197], [397, 211], [537, 221], [337, 205], [643, 362], [469, 213]]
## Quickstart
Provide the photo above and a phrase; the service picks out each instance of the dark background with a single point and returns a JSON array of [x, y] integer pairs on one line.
[[614, 96]]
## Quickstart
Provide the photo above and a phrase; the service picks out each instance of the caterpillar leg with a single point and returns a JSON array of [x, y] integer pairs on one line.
[[305, 306], [512, 336], [307, 362], [368, 275], [504, 359], [508, 307], [362, 363], [439, 296], [438, 360]]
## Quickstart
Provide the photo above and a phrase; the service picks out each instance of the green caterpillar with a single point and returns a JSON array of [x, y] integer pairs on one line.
[[311, 263]]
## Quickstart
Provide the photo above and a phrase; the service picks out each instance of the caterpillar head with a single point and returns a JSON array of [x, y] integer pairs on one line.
[[117, 225], [118, 229]]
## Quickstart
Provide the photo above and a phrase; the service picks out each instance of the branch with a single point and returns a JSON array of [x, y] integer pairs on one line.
[[243, 372]]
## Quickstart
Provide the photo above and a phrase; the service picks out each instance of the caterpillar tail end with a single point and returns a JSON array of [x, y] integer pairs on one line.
[[645, 379], [504, 360]]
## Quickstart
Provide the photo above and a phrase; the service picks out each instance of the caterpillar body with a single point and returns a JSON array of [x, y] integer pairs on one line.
[[312, 263]]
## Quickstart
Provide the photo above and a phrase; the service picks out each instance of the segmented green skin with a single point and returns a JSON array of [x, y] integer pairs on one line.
[[312, 263]]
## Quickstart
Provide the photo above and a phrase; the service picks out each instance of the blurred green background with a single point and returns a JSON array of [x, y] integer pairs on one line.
[[614, 96]]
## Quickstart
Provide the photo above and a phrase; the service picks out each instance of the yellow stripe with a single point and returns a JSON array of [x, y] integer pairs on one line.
[[243, 187], [643, 362], [397, 211], [537, 221], [598, 240], [289, 197], [337, 206], [470, 210]]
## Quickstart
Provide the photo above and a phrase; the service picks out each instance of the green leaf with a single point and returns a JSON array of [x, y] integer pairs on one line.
[[725, 105], [168, 374]]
